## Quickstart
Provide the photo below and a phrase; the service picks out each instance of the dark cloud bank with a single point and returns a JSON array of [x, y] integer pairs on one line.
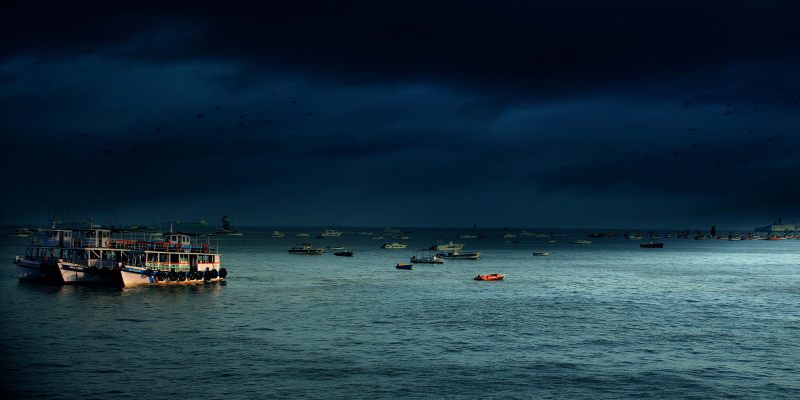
[[574, 113]]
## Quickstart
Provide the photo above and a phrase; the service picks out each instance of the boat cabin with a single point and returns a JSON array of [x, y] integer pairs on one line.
[[177, 238], [95, 237], [58, 238]]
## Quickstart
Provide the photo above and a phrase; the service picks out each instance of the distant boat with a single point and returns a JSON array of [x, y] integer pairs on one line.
[[580, 241], [377, 238], [427, 260], [468, 236], [489, 277], [403, 266], [335, 247], [447, 247], [306, 249], [344, 254], [509, 236], [22, 232], [457, 255], [329, 233], [364, 233], [302, 235], [541, 253], [551, 241], [278, 234], [226, 228], [394, 245], [652, 245]]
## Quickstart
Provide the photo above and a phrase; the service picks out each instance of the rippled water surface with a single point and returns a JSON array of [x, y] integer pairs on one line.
[[697, 319]]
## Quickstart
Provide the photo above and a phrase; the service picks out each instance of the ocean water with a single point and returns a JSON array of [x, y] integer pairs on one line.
[[697, 319]]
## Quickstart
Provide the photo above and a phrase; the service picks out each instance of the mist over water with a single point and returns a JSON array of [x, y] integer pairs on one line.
[[698, 319]]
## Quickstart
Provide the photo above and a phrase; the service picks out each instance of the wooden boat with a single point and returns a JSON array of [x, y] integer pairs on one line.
[[403, 266], [489, 277], [652, 245]]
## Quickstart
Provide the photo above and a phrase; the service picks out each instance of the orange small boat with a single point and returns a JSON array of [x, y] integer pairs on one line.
[[489, 277]]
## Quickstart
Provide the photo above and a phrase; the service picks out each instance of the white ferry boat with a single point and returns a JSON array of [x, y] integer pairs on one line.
[[92, 256]]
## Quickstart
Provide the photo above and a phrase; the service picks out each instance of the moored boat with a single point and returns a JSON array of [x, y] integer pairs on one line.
[[394, 245], [345, 253], [457, 255], [447, 246], [652, 245], [427, 260], [278, 234], [405, 266], [329, 233], [306, 249], [541, 253], [580, 241], [489, 277]]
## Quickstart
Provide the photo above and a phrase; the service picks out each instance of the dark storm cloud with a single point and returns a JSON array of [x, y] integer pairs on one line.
[[539, 108]]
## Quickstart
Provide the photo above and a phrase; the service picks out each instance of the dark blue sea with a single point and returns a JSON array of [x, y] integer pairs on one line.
[[697, 319]]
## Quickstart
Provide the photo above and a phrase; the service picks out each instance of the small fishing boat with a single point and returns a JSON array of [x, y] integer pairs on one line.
[[403, 266], [457, 255], [278, 234], [427, 260], [329, 233], [652, 245], [306, 249], [346, 253], [447, 247], [580, 241], [302, 234], [541, 253], [489, 277]]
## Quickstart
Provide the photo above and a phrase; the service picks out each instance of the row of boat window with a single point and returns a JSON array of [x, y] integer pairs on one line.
[[119, 256]]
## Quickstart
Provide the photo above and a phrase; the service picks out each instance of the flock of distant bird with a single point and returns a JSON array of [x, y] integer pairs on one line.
[[728, 111]]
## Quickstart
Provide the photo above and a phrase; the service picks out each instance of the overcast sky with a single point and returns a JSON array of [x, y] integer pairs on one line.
[[580, 114]]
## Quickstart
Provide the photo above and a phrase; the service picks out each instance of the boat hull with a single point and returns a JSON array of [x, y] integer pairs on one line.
[[76, 274], [131, 277], [34, 271]]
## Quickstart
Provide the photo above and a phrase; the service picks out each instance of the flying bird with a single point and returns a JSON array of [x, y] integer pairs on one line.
[[243, 116], [274, 93], [694, 129], [309, 114], [218, 108], [269, 121], [686, 103], [729, 112], [293, 102], [200, 116]]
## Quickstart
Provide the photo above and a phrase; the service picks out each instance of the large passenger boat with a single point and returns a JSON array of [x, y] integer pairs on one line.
[[94, 256]]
